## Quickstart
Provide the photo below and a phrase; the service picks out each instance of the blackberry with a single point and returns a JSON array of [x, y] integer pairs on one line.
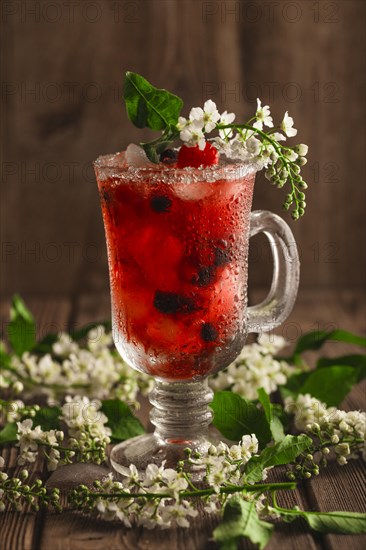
[[222, 256], [205, 275], [161, 203], [169, 156], [170, 302], [208, 332]]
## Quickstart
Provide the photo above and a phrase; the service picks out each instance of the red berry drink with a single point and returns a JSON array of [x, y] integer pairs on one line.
[[177, 246]]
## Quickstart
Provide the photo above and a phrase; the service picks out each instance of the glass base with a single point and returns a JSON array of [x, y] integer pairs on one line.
[[181, 417]]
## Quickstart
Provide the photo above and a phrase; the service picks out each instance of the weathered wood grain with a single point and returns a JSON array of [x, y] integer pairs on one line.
[[62, 75], [20, 531], [340, 488]]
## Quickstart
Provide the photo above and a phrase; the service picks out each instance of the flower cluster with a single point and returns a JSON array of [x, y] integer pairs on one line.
[[250, 143], [332, 429], [88, 435], [201, 122], [255, 367], [30, 438], [16, 492], [159, 496], [87, 430], [94, 370]]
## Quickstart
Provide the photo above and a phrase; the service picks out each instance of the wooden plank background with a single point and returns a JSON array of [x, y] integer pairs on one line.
[[62, 72]]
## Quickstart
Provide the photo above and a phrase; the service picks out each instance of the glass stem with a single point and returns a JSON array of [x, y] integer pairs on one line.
[[180, 411]]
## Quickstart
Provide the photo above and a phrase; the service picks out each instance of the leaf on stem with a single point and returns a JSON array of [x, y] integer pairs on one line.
[[235, 416], [47, 418], [275, 424], [314, 340], [281, 453], [150, 107], [330, 382], [154, 148], [8, 434], [346, 523], [21, 329], [121, 420], [240, 519]]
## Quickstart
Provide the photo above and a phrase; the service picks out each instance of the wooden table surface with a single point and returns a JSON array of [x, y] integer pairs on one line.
[[337, 488]]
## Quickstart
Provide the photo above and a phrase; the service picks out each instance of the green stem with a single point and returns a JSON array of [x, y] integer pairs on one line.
[[259, 488], [256, 130]]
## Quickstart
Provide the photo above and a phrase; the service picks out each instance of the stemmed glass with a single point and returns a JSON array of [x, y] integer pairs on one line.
[[177, 244]]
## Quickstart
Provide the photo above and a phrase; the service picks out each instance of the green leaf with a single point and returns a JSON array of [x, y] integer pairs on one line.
[[45, 345], [358, 361], [330, 382], [283, 452], [5, 358], [331, 385], [150, 107], [121, 420], [240, 519], [8, 434], [21, 328], [315, 340], [347, 523], [154, 148], [83, 331], [47, 418], [274, 422], [235, 416]]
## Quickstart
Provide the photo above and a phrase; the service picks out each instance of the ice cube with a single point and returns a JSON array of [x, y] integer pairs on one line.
[[120, 159], [116, 159], [136, 157], [193, 191]]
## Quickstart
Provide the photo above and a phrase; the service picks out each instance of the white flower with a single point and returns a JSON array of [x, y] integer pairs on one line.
[[98, 369], [211, 506], [17, 387], [291, 155], [277, 136], [255, 367], [178, 512], [153, 474], [271, 343], [53, 460], [217, 475], [175, 481], [226, 118], [287, 125], [133, 476], [249, 444], [263, 116], [193, 136], [64, 345], [27, 436], [182, 123], [302, 149], [205, 118], [246, 149], [2, 462]]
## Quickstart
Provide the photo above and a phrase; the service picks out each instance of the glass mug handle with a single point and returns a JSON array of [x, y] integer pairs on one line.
[[277, 306]]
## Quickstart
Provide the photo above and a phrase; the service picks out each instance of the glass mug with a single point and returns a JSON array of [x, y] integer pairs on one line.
[[178, 244]]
